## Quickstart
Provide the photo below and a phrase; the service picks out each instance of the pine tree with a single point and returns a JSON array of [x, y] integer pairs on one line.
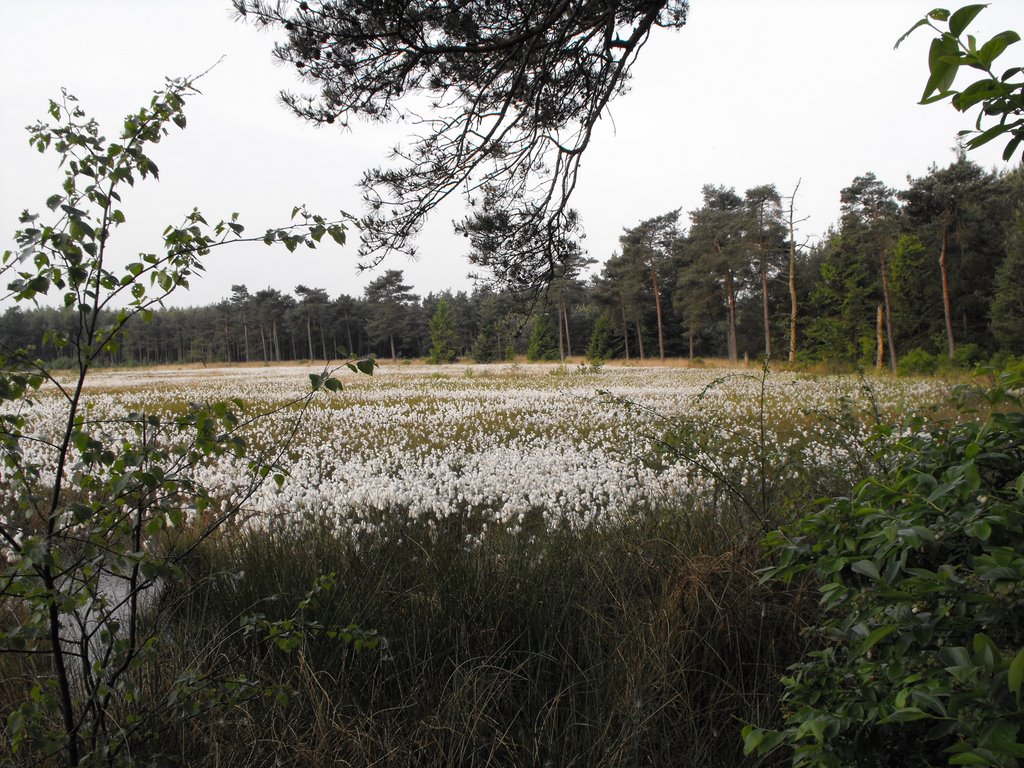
[[543, 345], [600, 347], [1008, 301], [443, 335]]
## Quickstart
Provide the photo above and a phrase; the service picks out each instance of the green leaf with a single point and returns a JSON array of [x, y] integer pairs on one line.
[[909, 32], [980, 529], [80, 441], [905, 715], [991, 50], [955, 657], [969, 758], [867, 568], [943, 71], [986, 136], [1015, 675], [961, 18], [1000, 573], [874, 637], [986, 654]]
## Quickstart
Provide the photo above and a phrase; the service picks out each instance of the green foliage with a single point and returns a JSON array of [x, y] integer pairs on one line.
[[921, 575], [599, 348], [967, 356], [97, 518], [995, 96], [543, 345], [1008, 302], [918, 362], [443, 335]]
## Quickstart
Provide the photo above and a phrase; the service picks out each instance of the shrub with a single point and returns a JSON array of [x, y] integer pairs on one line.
[[967, 356], [921, 656], [97, 517], [918, 362]]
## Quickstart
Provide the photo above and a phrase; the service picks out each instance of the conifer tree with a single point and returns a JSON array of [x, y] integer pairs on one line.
[[443, 335]]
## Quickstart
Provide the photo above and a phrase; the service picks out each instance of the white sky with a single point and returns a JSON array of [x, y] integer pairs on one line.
[[750, 92]]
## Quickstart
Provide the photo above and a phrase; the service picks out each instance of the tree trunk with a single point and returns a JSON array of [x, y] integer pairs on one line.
[[640, 340], [691, 345], [625, 332], [733, 356], [348, 335], [245, 335], [568, 336], [309, 336], [561, 340], [263, 342], [792, 279], [946, 306], [888, 313], [657, 307], [227, 339], [880, 337], [391, 339], [765, 314]]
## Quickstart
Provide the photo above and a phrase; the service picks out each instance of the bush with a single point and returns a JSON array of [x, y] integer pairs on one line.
[[967, 356], [917, 362], [96, 518], [921, 655]]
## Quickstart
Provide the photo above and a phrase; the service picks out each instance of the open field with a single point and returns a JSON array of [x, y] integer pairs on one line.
[[560, 563], [516, 442]]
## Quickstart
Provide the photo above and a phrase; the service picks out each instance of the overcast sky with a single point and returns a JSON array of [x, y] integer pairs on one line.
[[749, 92]]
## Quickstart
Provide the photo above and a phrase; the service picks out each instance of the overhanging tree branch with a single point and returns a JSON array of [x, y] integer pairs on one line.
[[514, 88]]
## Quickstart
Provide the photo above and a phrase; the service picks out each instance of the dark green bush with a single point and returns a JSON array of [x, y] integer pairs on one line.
[[917, 362], [967, 356], [921, 574]]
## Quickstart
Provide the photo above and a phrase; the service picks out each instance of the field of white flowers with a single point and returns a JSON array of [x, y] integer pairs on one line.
[[507, 443]]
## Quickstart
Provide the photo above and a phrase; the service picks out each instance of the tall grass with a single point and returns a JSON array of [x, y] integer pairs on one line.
[[646, 644], [631, 640]]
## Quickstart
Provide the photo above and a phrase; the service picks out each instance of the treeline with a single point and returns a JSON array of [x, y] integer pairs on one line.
[[906, 277]]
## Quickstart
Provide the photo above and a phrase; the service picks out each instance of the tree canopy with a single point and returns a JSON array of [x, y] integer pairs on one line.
[[505, 96]]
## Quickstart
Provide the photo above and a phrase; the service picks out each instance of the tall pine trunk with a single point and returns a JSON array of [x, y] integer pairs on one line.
[[792, 278], [561, 339], [731, 294], [245, 336], [880, 337], [765, 314], [568, 337], [946, 306], [625, 332], [890, 338], [657, 307]]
